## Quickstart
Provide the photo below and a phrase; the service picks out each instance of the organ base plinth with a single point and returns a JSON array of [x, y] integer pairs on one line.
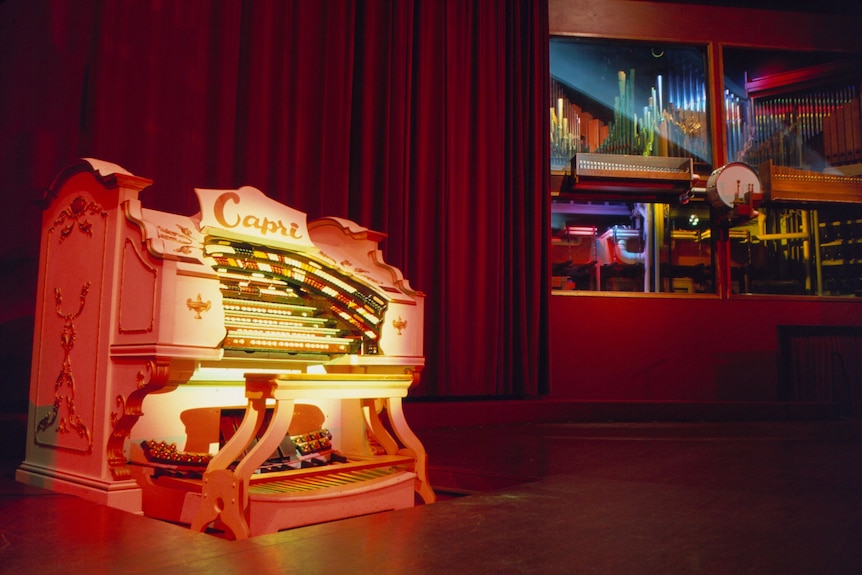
[[125, 495], [238, 500]]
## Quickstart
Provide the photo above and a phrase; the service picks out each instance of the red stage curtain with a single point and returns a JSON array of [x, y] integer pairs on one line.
[[425, 120]]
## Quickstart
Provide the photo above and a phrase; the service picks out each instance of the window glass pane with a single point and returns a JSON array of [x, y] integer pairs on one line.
[[619, 97], [632, 247], [795, 117], [629, 130], [799, 251], [792, 108]]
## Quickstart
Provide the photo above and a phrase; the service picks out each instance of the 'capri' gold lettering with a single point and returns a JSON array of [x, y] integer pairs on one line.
[[251, 221], [218, 208]]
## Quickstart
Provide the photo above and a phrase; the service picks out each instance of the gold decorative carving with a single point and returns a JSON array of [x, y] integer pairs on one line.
[[76, 214], [399, 324], [183, 237], [198, 305], [152, 378], [64, 386], [359, 271]]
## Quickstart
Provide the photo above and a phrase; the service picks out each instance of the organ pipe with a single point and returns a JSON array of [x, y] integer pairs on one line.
[[669, 121]]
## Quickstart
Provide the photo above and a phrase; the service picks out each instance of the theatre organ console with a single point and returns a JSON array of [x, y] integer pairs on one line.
[[286, 346]]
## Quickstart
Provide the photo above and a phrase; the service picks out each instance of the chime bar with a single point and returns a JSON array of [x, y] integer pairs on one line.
[[614, 166], [610, 176]]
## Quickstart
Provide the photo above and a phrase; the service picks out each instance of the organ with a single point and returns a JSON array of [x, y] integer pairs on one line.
[[245, 334]]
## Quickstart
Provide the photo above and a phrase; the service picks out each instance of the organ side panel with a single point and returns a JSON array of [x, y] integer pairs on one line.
[[107, 333], [70, 403]]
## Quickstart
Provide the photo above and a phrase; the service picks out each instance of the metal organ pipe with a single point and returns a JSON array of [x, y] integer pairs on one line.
[[646, 217], [782, 127], [612, 245], [764, 236], [621, 251], [646, 213], [621, 237]]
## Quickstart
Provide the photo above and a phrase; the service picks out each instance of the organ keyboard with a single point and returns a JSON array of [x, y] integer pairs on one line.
[[244, 302]]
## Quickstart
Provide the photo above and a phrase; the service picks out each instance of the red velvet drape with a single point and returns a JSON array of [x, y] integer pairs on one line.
[[422, 119]]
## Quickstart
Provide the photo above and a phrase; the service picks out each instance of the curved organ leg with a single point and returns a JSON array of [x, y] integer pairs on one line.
[[225, 491], [405, 435], [220, 486]]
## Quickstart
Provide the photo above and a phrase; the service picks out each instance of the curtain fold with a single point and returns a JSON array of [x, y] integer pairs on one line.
[[424, 119]]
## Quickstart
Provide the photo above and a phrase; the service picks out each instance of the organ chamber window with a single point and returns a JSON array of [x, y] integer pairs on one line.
[[629, 132], [796, 119]]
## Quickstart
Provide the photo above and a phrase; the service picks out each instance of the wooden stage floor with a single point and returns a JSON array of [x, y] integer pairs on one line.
[[627, 498]]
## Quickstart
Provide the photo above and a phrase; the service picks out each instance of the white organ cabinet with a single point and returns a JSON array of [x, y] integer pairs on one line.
[[240, 370]]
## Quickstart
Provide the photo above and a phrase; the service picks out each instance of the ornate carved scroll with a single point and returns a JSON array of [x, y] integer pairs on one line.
[[75, 215], [64, 387], [152, 378]]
